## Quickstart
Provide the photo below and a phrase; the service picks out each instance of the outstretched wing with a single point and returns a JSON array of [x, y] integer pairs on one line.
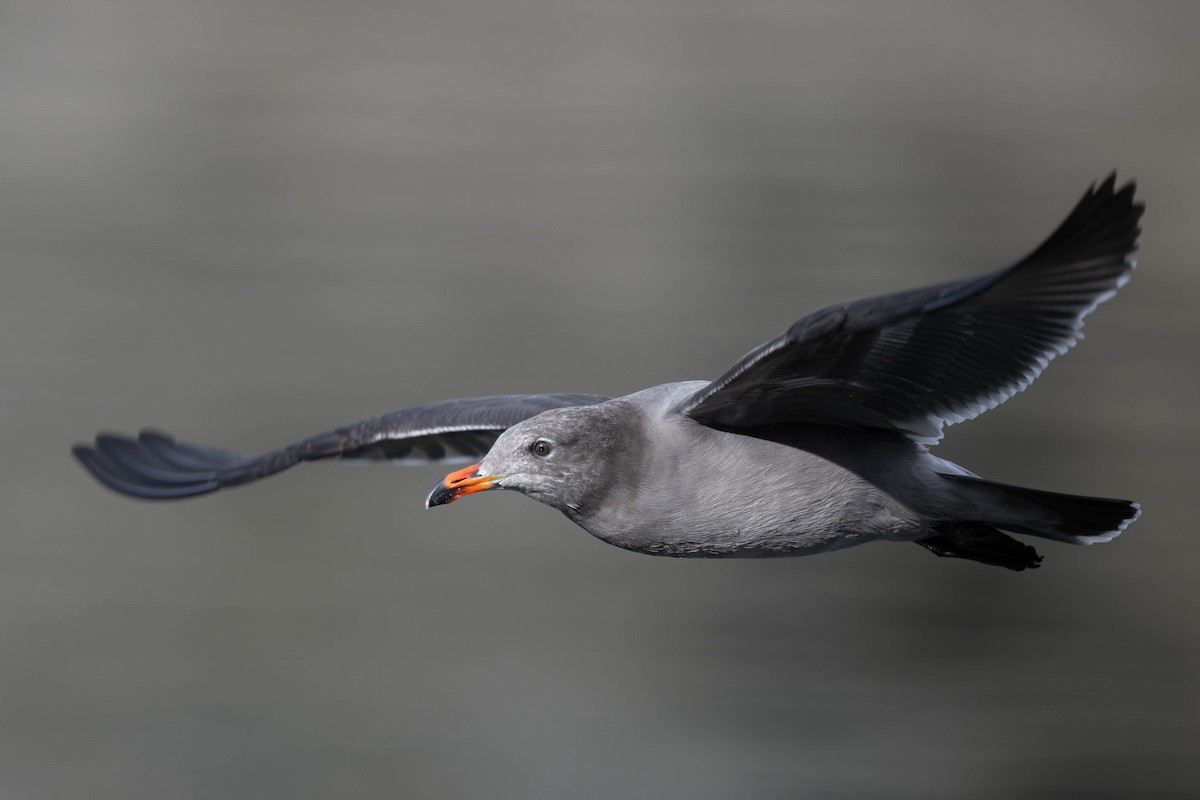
[[155, 466], [919, 360]]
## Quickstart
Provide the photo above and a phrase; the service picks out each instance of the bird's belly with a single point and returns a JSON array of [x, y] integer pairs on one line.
[[773, 500]]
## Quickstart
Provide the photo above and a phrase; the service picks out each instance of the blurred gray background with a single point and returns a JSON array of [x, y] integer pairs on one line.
[[247, 222]]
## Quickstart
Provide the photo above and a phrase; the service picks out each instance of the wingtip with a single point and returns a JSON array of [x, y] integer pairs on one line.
[[124, 465], [1108, 184], [1110, 188]]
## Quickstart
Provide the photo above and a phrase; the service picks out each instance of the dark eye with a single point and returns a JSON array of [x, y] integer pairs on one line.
[[541, 448]]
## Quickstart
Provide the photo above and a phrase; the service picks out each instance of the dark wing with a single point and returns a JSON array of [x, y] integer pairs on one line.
[[918, 360], [155, 466]]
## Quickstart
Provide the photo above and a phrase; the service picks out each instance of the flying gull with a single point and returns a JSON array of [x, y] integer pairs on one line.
[[815, 440]]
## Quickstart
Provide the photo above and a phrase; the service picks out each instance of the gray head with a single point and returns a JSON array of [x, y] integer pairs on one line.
[[563, 458]]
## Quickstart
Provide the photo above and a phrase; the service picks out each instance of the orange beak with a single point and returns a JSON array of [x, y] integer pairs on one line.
[[459, 484]]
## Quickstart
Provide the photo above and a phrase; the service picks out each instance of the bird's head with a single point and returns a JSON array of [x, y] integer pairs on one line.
[[563, 458]]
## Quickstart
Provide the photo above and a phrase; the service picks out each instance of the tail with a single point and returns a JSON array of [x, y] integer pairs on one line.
[[1061, 517]]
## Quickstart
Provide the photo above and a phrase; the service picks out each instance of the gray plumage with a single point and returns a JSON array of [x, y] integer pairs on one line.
[[815, 440]]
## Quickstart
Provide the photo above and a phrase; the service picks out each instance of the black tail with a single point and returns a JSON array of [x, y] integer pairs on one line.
[[1061, 517]]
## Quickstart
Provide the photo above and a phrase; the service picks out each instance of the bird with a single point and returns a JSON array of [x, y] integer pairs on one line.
[[816, 440]]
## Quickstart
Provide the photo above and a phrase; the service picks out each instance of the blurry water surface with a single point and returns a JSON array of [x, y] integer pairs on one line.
[[247, 222]]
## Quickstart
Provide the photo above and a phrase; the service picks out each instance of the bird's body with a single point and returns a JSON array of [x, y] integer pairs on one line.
[[816, 440], [758, 496]]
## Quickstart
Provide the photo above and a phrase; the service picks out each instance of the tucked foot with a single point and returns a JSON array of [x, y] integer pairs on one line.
[[981, 543]]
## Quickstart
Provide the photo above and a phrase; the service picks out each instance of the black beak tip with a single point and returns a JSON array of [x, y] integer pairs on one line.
[[440, 496]]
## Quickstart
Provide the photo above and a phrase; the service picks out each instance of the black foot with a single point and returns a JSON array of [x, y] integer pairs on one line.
[[981, 543]]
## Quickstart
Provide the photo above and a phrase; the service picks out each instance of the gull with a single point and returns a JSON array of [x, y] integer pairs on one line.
[[816, 440]]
